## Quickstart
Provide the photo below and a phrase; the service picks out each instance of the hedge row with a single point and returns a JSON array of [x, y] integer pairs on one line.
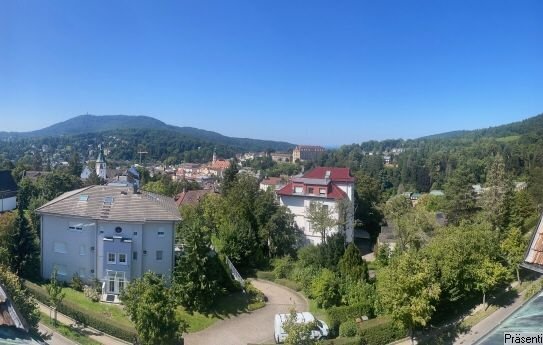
[[338, 315], [85, 317], [380, 331]]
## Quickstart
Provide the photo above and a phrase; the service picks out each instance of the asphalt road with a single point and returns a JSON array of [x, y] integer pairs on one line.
[[255, 327]]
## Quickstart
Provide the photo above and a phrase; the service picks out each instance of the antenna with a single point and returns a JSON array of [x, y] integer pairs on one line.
[[142, 152]]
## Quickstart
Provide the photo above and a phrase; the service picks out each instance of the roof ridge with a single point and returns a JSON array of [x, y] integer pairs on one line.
[[64, 196]]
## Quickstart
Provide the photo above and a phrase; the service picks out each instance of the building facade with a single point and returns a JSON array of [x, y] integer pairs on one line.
[[8, 191], [333, 187], [307, 153], [110, 233]]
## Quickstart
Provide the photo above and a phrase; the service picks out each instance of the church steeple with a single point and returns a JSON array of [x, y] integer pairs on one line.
[[101, 166], [214, 156]]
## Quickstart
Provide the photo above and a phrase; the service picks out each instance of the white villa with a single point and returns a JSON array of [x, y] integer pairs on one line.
[[111, 233], [322, 184]]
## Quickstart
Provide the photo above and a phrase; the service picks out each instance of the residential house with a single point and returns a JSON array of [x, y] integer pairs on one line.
[[387, 236], [191, 197], [8, 191], [275, 183], [307, 153], [327, 185], [112, 233]]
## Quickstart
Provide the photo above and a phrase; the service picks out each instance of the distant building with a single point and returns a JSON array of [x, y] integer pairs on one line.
[[520, 186], [387, 159], [307, 153], [34, 174], [327, 185], [275, 183], [281, 157], [191, 197], [387, 236], [437, 192], [111, 233], [101, 165], [85, 173], [8, 191]]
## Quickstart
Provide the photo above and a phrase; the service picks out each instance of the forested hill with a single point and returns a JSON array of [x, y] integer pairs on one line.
[[531, 125], [428, 163], [85, 124]]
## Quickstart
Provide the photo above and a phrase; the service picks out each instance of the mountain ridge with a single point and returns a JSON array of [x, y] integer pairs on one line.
[[88, 123]]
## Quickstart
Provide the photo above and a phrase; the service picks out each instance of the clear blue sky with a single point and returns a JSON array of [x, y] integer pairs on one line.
[[315, 72]]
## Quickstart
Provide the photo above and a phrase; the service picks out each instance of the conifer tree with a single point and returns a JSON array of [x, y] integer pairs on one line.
[[22, 247], [352, 265]]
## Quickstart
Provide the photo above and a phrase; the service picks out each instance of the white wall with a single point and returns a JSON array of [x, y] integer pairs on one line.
[[75, 242], [55, 229], [152, 242], [8, 204], [298, 204]]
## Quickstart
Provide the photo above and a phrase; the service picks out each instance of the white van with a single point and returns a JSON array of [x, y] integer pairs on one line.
[[320, 332]]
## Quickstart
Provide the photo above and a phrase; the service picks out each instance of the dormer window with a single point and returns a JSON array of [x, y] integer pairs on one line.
[[322, 191], [310, 190], [298, 190]]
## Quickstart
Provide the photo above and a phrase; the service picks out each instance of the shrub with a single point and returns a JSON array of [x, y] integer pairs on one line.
[[266, 275], [91, 293], [76, 283], [304, 275], [282, 267], [359, 293], [348, 329], [339, 315], [289, 283], [325, 289], [380, 331]]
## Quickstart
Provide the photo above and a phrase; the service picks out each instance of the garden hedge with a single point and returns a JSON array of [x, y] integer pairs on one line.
[[380, 331], [338, 315], [85, 317]]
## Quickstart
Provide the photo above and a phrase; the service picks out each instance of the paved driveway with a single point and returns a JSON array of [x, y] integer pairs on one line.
[[255, 327]]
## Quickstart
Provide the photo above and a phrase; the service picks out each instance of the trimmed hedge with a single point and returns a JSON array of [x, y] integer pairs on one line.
[[85, 317], [348, 329], [380, 331], [338, 315]]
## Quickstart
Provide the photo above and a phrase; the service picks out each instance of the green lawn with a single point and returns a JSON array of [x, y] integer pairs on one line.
[[67, 331], [106, 310]]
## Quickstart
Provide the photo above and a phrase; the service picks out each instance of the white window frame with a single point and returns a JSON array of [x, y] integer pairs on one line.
[[60, 247], [298, 190], [73, 226], [125, 259], [114, 258]]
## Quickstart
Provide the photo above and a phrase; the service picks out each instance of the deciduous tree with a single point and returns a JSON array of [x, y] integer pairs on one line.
[[56, 295], [151, 307], [320, 216]]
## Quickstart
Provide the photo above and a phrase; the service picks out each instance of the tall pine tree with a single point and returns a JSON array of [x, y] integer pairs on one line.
[[22, 247]]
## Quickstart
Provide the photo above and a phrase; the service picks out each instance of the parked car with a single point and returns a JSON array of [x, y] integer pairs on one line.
[[320, 331]]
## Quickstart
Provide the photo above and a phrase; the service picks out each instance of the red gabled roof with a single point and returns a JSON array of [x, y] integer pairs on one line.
[[272, 181], [336, 174], [334, 192]]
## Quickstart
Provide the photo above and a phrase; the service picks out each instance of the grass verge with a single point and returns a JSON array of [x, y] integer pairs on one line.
[[69, 332]]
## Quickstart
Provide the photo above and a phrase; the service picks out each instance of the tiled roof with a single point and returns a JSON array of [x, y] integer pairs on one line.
[[334, 192], [8, 314], [336, 174], [271, 181], [115, 203], [191, 197], [220, 164], [534, 254], [7, 183]]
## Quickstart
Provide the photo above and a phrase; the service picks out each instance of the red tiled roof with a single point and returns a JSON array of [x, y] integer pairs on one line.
[[334, 192], [220, 164], [271, 181], [191, 197], [336, 174]]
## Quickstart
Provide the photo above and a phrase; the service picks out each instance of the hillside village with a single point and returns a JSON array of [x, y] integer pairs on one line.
[[346, 236]]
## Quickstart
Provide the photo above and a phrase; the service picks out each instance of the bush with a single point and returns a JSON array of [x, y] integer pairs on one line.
[[325, 289], [76, 283], [91, 293], [289, 283], [339, 315], [266, 275], [348, 329], [304, 275], [282, 267], [380, 331]]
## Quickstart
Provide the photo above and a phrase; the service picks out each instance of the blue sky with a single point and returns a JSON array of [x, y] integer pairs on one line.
[[315, 72]]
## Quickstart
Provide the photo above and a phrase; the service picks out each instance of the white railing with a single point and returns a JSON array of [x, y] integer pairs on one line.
[[234, 271]]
